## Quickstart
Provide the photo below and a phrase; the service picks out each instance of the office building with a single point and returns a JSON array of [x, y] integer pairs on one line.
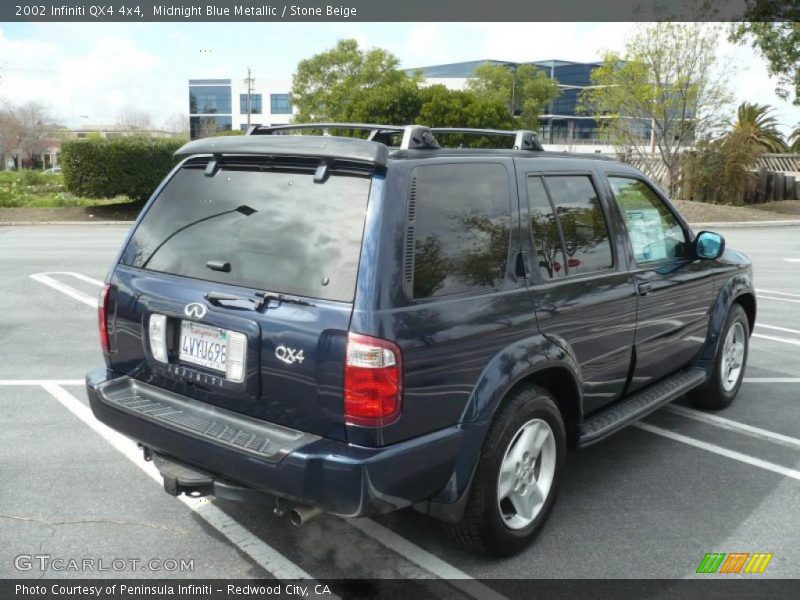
[[217, 105], [562, 126]]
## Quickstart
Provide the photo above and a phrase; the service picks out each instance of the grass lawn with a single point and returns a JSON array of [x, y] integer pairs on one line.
[[35, 189], [36, 196]]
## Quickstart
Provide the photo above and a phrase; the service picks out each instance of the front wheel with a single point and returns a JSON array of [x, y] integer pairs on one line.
[[517, 476], [729, 364]]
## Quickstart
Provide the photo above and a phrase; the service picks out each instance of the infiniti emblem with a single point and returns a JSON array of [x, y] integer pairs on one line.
[[195, 310]]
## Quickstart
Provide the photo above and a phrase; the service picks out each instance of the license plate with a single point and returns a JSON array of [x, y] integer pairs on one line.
[[204, 345]]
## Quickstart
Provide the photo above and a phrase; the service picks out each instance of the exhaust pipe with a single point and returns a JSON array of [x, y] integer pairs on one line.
[[300, 515]]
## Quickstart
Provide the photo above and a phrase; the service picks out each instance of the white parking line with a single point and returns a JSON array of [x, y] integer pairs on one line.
[[762, 297], [744, 458], [776, 328], [797, 260], [777, 293], [41, 381], [265, 555], [425, 559], [771, 380], [775, 338], [731, 425], [64, 288]]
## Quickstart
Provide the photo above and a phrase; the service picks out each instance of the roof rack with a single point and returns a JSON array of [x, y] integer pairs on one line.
[[523, 139], [413, 136]]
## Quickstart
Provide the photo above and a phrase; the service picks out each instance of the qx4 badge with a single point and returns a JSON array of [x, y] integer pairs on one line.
[[289, 355]]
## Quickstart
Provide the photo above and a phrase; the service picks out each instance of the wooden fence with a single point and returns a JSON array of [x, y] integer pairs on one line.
[[777, 176]]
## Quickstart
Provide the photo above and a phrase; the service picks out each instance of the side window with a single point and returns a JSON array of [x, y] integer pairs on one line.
[[461, 228], [549, 252], [583, 224], [654, 231]]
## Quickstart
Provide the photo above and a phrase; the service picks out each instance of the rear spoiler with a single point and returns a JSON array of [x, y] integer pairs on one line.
[[322, 147]]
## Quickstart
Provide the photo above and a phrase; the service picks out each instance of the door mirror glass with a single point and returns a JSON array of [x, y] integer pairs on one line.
[[709, 245]]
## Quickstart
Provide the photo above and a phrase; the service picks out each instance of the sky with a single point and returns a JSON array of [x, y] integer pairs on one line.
[[87, 73]]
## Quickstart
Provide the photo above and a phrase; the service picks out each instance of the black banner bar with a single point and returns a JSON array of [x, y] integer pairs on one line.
[[140, 11], [753, 587]]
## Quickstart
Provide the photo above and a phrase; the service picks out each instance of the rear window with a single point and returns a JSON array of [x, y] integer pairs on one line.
[[277, 231]]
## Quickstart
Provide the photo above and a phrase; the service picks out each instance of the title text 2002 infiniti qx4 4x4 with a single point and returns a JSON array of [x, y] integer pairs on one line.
[[355, 326]]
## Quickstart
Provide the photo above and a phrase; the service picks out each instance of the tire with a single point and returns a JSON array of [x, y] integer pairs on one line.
[[723, 384], [494, 526]]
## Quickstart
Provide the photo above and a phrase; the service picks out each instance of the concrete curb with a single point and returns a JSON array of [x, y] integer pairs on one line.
[[746, 224]]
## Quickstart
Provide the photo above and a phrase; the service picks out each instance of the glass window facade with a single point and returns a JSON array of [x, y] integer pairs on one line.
[[255, 104], [208, 126], [209, 99], [279, 104]]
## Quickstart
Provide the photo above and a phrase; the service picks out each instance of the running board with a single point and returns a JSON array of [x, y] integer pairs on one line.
[[639, 405]]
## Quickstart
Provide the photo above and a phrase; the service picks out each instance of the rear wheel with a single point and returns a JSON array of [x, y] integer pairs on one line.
[[729, 364], [517, 476]]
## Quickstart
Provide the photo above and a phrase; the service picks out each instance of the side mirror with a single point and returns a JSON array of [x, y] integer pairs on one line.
[[708, 245]]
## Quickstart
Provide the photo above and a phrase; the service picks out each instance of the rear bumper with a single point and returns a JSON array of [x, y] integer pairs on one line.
[[334, 476]]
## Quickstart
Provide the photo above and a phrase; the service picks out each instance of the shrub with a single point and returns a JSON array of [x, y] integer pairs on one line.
[[720, 171], [130, 166]]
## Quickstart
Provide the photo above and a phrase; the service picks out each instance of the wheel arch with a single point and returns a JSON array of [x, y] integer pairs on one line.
[[748, 302], [548, 363], [737, 289]]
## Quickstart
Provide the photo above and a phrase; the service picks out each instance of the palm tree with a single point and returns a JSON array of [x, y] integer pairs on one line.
[[758, 124], [794, 138]]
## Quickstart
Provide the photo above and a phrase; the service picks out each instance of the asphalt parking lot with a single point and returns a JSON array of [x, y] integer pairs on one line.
[[646, 503]]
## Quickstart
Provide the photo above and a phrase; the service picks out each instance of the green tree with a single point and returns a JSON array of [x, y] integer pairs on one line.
[[347, 81], [665, 81], [794, 138], [443, 107], [773, 28], [757, 123], [525, 90]]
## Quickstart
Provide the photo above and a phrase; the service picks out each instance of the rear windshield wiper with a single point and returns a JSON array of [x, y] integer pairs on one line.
[[278, 297], [259, 302], [220, 299]]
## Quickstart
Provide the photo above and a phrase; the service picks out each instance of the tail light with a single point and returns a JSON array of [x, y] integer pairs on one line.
[[372, 381], [102, 318]]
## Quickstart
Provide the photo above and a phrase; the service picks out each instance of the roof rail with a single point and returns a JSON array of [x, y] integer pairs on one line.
[[523, 139], [413, 136]]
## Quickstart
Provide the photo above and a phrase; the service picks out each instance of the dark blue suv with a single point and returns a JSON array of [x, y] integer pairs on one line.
[[331, 323]]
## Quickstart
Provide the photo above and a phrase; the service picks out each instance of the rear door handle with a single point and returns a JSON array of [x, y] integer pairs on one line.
[[645, 288]]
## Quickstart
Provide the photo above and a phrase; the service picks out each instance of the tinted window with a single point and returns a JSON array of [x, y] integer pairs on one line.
[[461, 228], [279, 231], [654, 231], [583, 223], [549, 253]]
